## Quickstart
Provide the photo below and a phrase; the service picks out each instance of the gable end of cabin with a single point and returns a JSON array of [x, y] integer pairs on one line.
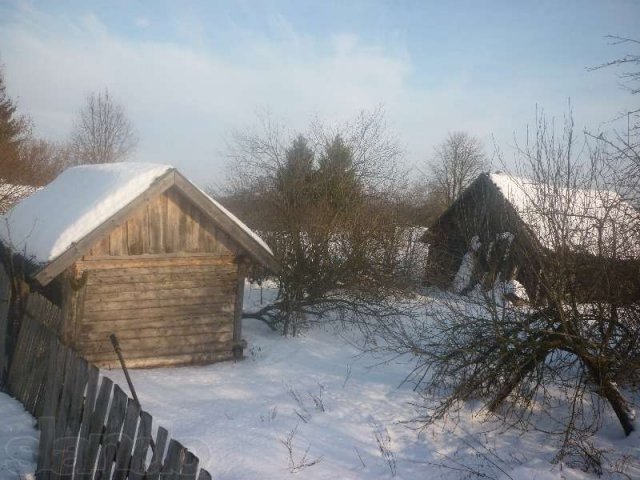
[[166, 280]]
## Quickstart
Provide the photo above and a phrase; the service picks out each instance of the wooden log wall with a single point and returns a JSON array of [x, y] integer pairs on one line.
[[165, 280], [484, 212], [166, 310], [89, 427]]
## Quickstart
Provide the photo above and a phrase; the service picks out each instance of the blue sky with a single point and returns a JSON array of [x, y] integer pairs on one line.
[[191, 72]]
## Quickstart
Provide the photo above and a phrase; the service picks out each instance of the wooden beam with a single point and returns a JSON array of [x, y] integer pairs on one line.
[[73, 295], [144, 256], [229, 226], [79, 248], [237, 313]]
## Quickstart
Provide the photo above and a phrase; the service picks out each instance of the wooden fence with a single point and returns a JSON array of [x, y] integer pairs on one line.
[[89, 427], [4, 326], [29, 367]]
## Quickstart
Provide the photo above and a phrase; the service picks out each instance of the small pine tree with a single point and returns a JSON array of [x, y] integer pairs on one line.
[[300, 157], [295, 175], [337, 177]]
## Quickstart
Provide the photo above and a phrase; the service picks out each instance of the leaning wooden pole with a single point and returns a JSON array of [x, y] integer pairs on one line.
[[116, 347]]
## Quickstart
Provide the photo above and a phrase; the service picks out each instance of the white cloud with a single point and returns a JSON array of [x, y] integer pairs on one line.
[[142, 22], [184, 99]]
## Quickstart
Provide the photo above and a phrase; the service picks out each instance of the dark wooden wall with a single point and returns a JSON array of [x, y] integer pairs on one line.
[[165, 281], [484, 212]]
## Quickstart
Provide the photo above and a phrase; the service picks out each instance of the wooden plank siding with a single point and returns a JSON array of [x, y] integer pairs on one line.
[[168, 223], [165, 281]]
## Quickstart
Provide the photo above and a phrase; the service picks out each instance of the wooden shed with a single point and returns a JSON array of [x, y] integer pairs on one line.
[[139, 251], [507, 227]]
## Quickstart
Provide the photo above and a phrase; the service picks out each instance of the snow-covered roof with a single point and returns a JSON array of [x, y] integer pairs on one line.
[[599, 222], [48, 223]]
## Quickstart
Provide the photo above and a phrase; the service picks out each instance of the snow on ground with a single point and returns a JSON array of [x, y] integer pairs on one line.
[[345, 409], [18, 439]]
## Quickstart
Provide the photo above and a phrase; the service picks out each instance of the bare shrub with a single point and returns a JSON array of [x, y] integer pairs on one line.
[[302, 412], [383, 440], [324, 202], [317, 399], [298, 462], [572, 347], [628, 68]]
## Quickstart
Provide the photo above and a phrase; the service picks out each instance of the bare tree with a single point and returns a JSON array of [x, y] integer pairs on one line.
[[322, 201], [43, 160], [625, 145], [456, 163], [102, 133], [630, 79], [575, 342]]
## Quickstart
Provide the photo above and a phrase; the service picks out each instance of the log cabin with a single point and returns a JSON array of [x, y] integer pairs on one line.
[[136, 250], [510, 229]]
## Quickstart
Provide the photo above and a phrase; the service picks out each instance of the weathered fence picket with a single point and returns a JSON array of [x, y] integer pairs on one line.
[[89, 427], [142, 444], [4, 310]]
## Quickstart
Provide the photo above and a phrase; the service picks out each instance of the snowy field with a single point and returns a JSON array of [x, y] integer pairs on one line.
[[316, 407], [342, 413], [18, 439]]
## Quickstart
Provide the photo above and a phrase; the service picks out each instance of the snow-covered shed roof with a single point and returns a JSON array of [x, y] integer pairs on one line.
[[59, 222], [599, 222]]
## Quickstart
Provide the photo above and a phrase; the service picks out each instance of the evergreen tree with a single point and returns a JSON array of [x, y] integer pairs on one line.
[[300, 157], [337, 176], [14, 131], [295, 175]]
